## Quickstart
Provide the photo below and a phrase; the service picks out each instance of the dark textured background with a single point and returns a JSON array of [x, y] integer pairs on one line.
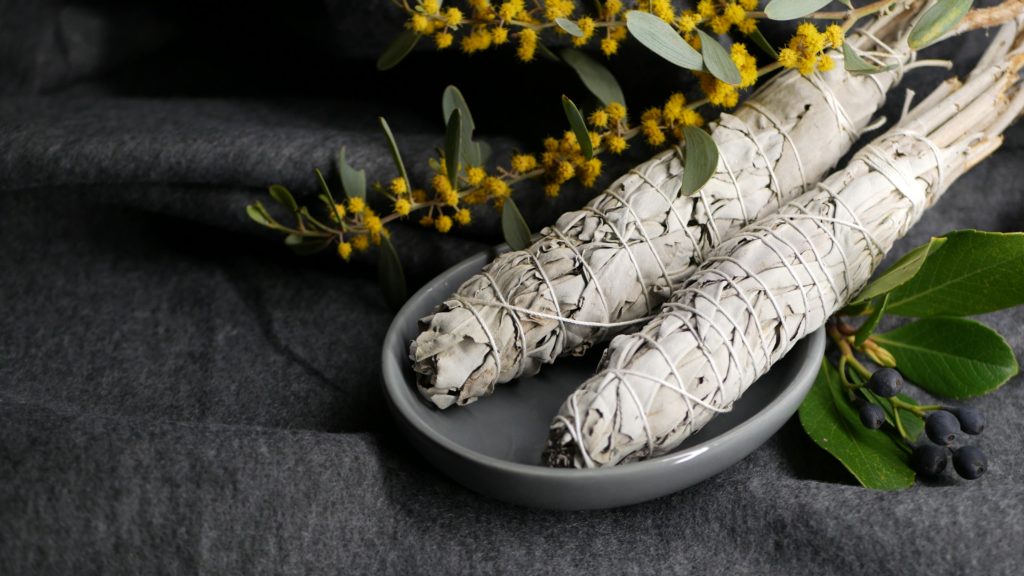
[[180, 394]]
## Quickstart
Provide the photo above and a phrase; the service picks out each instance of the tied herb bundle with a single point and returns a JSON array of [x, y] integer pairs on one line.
[[610, 265], [779, 279]]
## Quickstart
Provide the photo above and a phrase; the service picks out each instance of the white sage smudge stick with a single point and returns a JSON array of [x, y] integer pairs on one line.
[[609, 266], [780, 278]]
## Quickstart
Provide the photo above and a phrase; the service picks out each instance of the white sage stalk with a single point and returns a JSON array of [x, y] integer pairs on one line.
[[610, 265], [779, 279]]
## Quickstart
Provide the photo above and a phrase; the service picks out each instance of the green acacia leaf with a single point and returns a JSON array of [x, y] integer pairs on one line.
[[390, 274], [327, 197], [951, 357], [758, 38], [974, 272], [854, 63], [662, 39], [452, 142], [258, 214], [282, 196], [936, 21], [871, 323], [304, 246], [900, 272], [396, 155], [793, 9], [717, 59], [569, 26], [701, 160], [873, 457], [546, 53], [452, 100], [594, 76], [513, 226], [397, 50], [353, 181], [579, 127]]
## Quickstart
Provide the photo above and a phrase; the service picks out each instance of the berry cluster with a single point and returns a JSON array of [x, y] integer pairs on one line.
[[943, 426]]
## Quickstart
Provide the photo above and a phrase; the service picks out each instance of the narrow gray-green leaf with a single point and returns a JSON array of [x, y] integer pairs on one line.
[[397, 50], [452, 144], [390, 274], [569, 26], [546, 53], [352, 181], [951, 357], [874, 458], [793, 9], [662, 39], [327, 196], [846, 3], [871, 323], [900, 272], [595, 76], [451, 100], [395, 154], [304, 246], [936, 21], [701, 160], [283, 197], [854, 63], [763, 43], [513, 226], [258, 214], [579, 127], [974, 272], [717, 59]]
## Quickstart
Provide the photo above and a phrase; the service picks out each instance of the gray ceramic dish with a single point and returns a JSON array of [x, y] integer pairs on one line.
[[493, 446]]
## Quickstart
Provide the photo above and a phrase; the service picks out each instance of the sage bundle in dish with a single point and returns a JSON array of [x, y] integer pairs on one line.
[[780, 278], [609, 266]]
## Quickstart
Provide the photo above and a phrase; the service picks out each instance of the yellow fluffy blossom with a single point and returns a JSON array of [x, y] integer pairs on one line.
[[599, 119], [453, 16], [734, 13], [463, 217], [587, 26], [720, 25], [616, 144], [419, 195], [653, 133], [551, 189], [706, 8], [479, 39], [805, 50], [443, 223], [558, 9], [609, 46], [373, 223], [356, 205], [834, 35], [398, 186], [589, 172], [402, 207], [499, 35], [339, 212], [616, 112], [361, 243], [475, 175], [427, 221], [344, 250], [749, 4], [496, 187], [451, 198], [663, 9], [619, 33], [745, 63], [613, 7], [826, 63], [527, 44], [564, 172], [718, 93], [747, 26], [431, 6], [569, 144], [440, 184], [524, 162], [443, 40], [674, 108], [511, 10], [550, 144], [419, 24], [688, 21]]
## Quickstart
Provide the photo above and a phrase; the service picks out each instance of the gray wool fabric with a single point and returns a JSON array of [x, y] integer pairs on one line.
[[180, 394]]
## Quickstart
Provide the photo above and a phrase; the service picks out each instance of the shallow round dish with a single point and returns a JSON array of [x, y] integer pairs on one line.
[[493, 446]]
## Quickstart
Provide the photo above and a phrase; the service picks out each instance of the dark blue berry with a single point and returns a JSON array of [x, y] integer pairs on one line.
[[929, 459], [971, 421], [970, 462], [871, 415], [941, 427], [886, 382]]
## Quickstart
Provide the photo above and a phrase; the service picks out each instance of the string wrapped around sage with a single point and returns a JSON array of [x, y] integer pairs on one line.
[[780, 278], [608, 267]]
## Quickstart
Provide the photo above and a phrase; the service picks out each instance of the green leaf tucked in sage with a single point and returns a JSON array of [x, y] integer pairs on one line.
[[717, 59], [595, 77], [871, 323], [793, 9], [900, 272], [701, 160], [513, 226], [662, 39], [854, 63], [579, 127], [936, 21]]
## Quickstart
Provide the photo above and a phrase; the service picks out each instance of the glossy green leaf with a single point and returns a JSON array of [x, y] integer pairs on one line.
[[594, 76], [793, 9], [872, 456], [396, 155], [352, 181], [579, 127], [951, 357], [390, 274], [974, 272], [871, 323], [717, 59], [452, 145], [258, 214], [900, 272], [398, 50], [569, 26], [282, 196], [513, 226], [758, 38], [936, 21], [662, 39], [452, 100], [701, 160]]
